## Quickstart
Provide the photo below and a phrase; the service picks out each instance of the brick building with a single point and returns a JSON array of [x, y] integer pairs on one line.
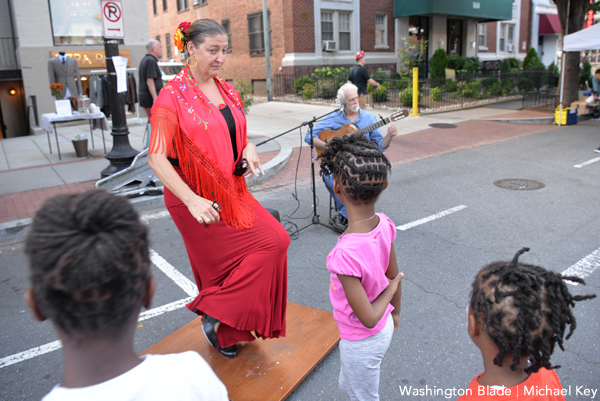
[[305, 34]]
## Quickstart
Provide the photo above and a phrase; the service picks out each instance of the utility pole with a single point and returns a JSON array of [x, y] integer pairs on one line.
[[267, 32]]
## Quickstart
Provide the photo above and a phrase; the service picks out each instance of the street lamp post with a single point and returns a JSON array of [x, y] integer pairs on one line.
[[122, 154]]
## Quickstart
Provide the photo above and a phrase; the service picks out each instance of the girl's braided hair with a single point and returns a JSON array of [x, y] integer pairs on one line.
[[359, 164], [525, 310], [89, 262]]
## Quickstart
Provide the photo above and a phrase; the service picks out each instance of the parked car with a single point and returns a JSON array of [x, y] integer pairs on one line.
[[169, 69]]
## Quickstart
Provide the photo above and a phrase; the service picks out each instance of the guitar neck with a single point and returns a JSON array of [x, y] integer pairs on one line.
[[374, 126]]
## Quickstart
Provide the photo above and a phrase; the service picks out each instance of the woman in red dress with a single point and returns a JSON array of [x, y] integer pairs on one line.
[[198, 149]]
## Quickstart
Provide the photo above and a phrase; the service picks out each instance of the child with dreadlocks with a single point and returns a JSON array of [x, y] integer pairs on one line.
[[516, 315], [90, 275], [365, 285]]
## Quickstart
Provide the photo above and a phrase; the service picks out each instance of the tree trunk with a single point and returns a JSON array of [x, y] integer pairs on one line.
[[577, 12]]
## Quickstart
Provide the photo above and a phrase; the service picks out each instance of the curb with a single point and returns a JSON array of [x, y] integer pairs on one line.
[[16, 230]]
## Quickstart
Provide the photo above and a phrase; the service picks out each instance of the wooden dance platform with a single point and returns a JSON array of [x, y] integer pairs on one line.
[[264, 369]]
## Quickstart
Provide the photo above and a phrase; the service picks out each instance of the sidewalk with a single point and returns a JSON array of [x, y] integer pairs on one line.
[[29, 174]]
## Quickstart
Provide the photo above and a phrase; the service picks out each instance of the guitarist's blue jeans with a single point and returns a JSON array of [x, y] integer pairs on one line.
[[329, 184]]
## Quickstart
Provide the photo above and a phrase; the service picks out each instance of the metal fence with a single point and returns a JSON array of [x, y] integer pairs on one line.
[[433, 94], [544, 99]]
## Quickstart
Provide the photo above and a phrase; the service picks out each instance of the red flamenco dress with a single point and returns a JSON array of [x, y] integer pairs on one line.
[[239, 263]]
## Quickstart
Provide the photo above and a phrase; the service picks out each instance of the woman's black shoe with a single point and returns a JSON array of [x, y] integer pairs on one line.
[[208, 327], [229, 352]]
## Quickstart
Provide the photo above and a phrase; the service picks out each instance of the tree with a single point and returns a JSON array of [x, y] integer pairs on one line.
[[576, 11]]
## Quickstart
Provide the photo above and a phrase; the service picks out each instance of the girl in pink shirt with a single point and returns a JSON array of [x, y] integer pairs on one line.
[[365, 285]]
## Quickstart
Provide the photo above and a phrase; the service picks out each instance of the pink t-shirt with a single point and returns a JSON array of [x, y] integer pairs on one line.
[[367, 257]]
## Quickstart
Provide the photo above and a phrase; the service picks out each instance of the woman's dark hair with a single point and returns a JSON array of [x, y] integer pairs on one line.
[[524, 310], [358, 163], [89, 262], [202, 29]]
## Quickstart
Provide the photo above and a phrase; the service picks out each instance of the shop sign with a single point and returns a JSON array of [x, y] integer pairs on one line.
[[92, 58]]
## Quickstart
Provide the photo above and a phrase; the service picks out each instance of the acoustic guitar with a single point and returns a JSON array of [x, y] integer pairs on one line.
[[328, 134]]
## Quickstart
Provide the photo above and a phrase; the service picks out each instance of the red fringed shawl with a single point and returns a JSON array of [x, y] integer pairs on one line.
[[193, 130]]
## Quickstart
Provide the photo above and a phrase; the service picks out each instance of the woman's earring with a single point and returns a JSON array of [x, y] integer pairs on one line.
[[188, 61]]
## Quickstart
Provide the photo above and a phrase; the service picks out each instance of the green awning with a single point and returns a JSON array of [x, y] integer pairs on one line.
[[488, 10]]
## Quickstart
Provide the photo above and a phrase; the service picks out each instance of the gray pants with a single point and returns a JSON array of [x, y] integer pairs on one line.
[[361, 361]]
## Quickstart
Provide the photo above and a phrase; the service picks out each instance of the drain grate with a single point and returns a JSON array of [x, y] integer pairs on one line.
[[517, 184], [442, 125]]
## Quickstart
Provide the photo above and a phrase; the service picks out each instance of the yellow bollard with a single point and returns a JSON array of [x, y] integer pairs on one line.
[[415, 92]]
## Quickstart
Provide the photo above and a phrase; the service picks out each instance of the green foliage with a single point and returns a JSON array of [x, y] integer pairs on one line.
[[327, 81], [525, 85], [532, 61], [380, 94], [411, 53], [327, 88], [438, 64], [455, 62], [453, 95], [506, 86], [471, 65], [406, 97], [450, 85], [436, 94], [328, 72], [509, 64], [300, 82], [489, 82], [245, 92], [585, 73], [479, 96], [553, 69], [308, 91]]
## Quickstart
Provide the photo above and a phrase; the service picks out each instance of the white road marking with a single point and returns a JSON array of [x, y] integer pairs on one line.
[[594, 160], [54, 345], [155, 216], [430, 218], [584, 267], [174, 274]]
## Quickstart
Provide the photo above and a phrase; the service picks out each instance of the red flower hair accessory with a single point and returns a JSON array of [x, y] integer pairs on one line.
[[179, 37]]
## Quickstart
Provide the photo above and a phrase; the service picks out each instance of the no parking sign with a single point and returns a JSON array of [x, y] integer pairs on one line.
[[112, 19]]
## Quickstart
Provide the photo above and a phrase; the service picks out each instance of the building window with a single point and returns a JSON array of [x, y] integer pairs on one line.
[[182, 5], [381, 30], [158, 38], [256, 33], [507, 33], [200, 2], [164, 5], [337, 26], [509, 38], [154, 7], [226, 25], [482, 34], [169, 46], [75, 23], [344, 31], [327, 26]]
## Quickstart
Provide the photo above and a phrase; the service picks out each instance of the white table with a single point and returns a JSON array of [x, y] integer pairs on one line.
[[49, 121]]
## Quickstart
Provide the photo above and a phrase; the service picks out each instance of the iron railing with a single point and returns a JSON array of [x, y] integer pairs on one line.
[[434, 94], [545, 99]]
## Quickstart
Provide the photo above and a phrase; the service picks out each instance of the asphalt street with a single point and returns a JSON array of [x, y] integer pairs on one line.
[[439, 254]]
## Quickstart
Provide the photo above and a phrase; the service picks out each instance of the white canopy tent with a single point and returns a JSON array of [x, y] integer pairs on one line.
[[585, 39]]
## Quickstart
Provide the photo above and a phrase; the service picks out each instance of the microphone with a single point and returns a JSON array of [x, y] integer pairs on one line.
[[342, 107]]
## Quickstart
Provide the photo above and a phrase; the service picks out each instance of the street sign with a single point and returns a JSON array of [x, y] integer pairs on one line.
[[112, 19]]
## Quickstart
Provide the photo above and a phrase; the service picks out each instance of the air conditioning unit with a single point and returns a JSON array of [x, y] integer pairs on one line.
[[509, 48], [330, 45]]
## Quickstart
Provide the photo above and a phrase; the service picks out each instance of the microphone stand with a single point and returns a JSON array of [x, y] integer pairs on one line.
[[310, 124]]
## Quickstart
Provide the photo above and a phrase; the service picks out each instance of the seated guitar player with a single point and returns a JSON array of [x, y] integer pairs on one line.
[[351, 114]]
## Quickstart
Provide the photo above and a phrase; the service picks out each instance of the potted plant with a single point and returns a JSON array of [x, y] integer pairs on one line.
[[63, 107]]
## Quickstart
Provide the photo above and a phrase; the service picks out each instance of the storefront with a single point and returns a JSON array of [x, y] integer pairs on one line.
[[449, 25], [46, 27]]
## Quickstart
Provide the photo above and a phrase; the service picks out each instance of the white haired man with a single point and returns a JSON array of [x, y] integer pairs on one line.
[[351, 114], [150, 76]]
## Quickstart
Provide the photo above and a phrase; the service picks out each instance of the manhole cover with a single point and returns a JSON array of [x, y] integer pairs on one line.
[[442, 125], [517, 184]]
